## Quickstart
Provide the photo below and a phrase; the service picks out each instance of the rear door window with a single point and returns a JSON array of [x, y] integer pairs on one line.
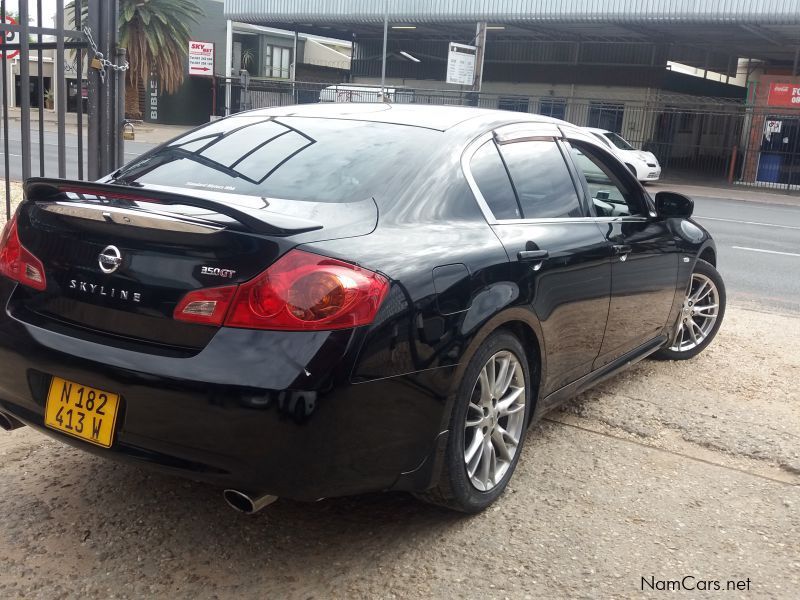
[[490, 175], [542, 180]]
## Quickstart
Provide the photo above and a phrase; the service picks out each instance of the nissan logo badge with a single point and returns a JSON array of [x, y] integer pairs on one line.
[[110, 259]]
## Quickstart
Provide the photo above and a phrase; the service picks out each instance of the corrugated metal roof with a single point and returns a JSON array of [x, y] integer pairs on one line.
[[517, 11]]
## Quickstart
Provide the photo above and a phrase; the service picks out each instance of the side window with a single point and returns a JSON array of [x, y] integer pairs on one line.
[[611, 196], [490, 174], [542, 180]]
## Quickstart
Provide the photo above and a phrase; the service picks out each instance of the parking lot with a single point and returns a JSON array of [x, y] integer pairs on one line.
[[666, 471]]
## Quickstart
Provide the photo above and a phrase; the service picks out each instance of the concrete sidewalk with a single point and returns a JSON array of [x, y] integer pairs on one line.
[[149, 133], [739, 192]]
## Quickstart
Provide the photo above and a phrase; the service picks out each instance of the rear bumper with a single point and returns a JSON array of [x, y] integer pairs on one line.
[[272, 412]]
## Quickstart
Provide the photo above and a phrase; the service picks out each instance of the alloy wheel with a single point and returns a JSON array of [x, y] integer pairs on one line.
[[699, 314], [495, 421]]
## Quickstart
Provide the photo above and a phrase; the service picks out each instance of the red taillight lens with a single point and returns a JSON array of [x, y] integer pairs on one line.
[[16, 262], [207, 306], [304, 291], [300, 292]]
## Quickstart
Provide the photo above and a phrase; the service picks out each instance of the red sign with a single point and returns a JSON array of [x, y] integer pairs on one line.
[[11, 38], [201, 58], [784, 94]]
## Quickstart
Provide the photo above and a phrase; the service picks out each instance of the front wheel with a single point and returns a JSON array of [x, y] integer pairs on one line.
[[700, 317], [487, 427]]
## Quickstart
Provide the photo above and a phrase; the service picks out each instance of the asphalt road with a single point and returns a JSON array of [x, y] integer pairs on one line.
[[758, 248], [132, 150], [759, 243]]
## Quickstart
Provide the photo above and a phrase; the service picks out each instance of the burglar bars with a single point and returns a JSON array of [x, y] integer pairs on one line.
[[58, 88]]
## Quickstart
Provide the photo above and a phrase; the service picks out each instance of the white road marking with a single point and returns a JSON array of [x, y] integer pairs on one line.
[[766, 251], [748, 222]]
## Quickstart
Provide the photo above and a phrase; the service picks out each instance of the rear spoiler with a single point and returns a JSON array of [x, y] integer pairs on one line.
[[254, 220]]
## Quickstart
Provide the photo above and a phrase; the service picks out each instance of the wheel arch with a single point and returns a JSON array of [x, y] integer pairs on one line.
[[709, 254], [524, 326]]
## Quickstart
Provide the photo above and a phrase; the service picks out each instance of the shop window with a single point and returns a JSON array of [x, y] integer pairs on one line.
[[515, 104], [278, 62], [604, 115], [553, 107], [686, 123]]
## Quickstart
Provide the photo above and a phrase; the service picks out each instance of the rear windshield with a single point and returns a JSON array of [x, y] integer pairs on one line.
[[324, 160]]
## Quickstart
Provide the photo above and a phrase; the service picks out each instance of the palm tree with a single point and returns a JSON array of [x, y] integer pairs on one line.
[[156, 34]]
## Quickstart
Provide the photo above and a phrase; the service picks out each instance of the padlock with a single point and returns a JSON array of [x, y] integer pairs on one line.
[[128, 133], [96, 64]]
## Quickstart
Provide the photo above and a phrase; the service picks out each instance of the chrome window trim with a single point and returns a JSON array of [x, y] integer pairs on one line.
[[518, 132], [466, 158], [127, 217]]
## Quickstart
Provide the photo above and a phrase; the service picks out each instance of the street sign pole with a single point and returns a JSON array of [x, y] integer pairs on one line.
[[480, 51]]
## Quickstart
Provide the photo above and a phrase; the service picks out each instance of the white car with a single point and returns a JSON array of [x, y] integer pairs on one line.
[[642, 164]]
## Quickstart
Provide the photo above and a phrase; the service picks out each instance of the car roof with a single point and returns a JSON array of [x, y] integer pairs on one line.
[[440, 118]]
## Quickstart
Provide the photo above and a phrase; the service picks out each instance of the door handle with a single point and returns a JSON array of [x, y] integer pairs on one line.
[[622, 250], [531, 255]]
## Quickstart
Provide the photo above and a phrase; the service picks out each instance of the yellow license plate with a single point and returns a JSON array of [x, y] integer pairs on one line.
[[81, 411]]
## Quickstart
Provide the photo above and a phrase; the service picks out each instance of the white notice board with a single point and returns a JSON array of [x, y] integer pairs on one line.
[[461, 64]]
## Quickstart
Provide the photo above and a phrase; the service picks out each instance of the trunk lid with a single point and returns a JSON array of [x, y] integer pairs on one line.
[[118, 260]]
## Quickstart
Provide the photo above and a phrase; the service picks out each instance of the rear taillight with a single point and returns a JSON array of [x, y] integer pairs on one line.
[[300, 292], [16, 262], [208, 306]]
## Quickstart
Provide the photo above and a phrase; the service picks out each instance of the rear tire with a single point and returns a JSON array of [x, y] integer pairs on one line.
[[700, 317], [487, 427]]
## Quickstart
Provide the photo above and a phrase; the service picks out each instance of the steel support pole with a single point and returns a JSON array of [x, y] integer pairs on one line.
[[6, 162], [40, 77], [93, 76], [79, 55], [119, 121], [294, 66], [228, 65], [106, 40], [24, 90], [385, 44], [61, 93]]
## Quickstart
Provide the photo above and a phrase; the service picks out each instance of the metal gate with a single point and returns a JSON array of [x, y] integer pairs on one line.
[[73, 86]]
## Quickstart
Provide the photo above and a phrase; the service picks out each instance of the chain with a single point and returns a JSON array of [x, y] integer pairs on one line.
[[99, 57]]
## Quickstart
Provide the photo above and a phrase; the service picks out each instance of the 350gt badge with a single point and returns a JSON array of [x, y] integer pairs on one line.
[[216, 272]]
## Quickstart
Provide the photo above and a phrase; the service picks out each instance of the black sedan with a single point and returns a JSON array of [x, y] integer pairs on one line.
[[326, 300]]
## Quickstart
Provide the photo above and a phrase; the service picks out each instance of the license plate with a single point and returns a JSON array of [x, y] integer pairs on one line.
[[81, 411]]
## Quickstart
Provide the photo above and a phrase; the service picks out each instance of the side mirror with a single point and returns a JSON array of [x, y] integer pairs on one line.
[[671, 205]]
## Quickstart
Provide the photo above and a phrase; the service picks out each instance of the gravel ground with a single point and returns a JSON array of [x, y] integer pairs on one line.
[[16, 196], [666, 471]]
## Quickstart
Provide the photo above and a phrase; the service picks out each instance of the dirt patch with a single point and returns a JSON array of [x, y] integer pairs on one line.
[[666, 471]]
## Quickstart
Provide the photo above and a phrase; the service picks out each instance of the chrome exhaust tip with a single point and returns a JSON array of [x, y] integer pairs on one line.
[[245, 503], [9, 423]]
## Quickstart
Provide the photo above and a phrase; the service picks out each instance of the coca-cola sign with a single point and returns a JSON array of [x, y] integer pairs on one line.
[[784, 94]]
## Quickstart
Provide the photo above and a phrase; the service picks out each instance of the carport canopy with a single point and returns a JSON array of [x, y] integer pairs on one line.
[[707, 34]]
